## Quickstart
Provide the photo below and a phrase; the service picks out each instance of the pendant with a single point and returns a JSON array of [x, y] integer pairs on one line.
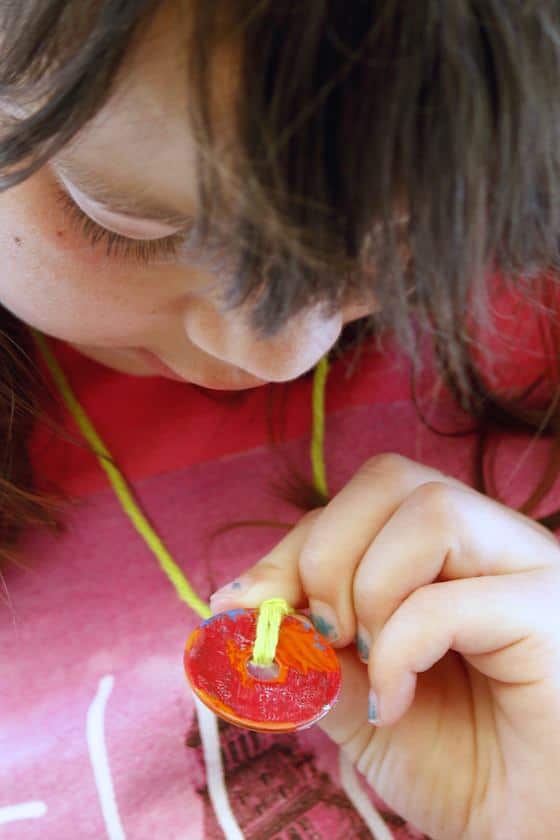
[[296, 691]]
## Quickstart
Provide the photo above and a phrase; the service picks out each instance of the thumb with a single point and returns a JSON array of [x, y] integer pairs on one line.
[[276, 575]]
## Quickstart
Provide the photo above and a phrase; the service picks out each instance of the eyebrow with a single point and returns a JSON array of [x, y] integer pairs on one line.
[[135, 204]]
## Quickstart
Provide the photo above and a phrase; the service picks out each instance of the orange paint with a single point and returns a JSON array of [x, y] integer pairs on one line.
[[307, 684]]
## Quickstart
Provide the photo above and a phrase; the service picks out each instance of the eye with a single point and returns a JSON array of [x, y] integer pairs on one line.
[[116, 245]]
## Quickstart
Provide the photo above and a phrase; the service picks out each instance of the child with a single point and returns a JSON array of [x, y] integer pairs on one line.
[[210, 192]]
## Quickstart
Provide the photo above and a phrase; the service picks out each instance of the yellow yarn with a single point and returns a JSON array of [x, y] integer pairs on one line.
[[271, 614], [272, 611], [318, 428], [122, 490]]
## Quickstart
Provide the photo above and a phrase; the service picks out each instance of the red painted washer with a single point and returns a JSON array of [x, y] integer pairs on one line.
[[302, 687]]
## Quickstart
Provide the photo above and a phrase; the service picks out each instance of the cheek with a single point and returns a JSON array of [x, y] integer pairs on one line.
[[53, 280]]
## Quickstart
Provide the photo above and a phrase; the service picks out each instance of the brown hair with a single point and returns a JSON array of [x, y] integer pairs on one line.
[[384, 146]]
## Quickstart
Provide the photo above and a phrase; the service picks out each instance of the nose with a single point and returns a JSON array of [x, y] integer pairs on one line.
[[356, 311], [284, 356]]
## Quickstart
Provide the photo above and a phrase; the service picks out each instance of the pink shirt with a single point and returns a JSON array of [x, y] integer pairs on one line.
[[99, 735]]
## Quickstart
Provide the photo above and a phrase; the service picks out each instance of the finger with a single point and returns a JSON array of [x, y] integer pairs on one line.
[[347, 722], [342, 533], [442, 532], [276, 575], [503, 626]]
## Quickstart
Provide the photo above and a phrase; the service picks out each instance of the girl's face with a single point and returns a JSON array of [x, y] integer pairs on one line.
[[148, 304]]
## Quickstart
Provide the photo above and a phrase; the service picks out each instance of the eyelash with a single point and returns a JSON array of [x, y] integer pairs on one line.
[[116, 245]]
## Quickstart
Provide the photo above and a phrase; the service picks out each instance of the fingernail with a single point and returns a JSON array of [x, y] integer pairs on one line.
[[363, 643], [226, 594], [373, 708], [324, 620]]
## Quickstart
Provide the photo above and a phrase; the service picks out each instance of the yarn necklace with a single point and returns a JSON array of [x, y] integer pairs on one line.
[[259, 637]]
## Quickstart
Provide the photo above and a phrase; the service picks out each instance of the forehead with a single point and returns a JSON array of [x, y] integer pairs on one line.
[[143, 138]]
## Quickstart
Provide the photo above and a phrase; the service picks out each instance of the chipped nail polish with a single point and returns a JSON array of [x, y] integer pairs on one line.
[[373, 706], [363, 643], [228, 593], [324, 620]]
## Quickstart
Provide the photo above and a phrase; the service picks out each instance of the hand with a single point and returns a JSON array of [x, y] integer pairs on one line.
[[455, 602]]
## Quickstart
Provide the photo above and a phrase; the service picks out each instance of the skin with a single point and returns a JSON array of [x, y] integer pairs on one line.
[[454, 597], [118, 309]]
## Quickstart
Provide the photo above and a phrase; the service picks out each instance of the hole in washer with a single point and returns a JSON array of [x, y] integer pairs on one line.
[[263, 672]]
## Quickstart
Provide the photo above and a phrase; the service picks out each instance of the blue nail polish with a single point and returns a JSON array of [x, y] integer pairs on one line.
[[324, 627], [362, 648], [372, 708], [324, 619]]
